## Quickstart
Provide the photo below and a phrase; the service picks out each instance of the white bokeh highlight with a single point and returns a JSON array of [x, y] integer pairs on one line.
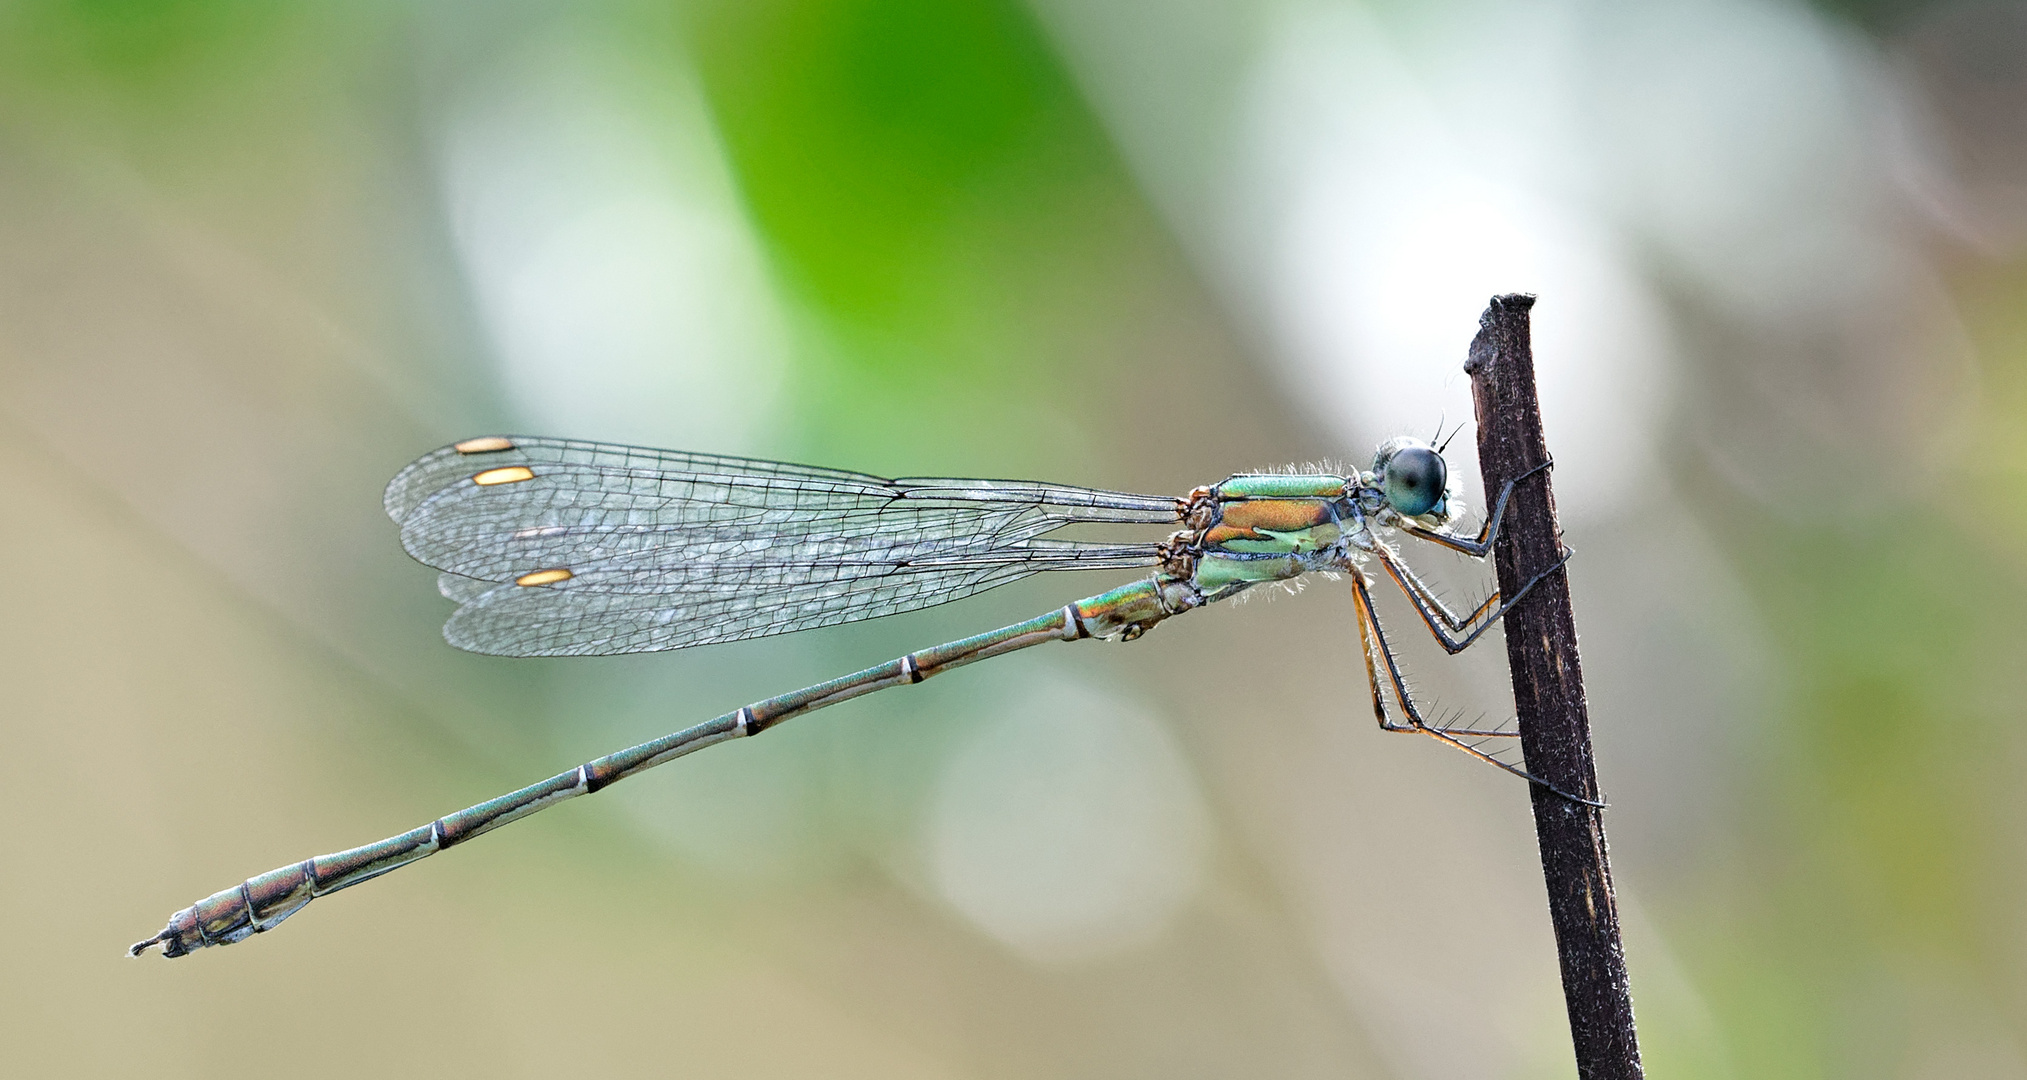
[[1375, 232], [1357, 180], [1066, 824], [623, 290]]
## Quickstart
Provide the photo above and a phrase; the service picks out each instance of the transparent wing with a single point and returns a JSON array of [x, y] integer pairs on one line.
[[665, 550]]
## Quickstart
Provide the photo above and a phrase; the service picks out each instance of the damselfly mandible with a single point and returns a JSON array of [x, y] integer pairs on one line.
[[557, 548]]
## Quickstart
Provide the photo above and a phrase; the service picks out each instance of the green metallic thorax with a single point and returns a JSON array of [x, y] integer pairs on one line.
[[1272, 527]]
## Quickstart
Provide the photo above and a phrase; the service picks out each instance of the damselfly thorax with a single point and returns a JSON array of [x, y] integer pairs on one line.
[[560, 548]]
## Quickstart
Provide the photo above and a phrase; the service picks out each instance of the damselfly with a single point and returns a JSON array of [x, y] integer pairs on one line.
[[555, 548]]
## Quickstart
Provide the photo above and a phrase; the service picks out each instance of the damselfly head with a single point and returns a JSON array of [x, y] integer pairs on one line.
[[1412, 475]]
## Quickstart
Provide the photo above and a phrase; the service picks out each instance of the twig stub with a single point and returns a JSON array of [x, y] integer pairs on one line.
[[1548, 692]]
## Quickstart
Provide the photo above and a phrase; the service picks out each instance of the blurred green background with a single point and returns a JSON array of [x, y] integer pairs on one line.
[[256, 257]]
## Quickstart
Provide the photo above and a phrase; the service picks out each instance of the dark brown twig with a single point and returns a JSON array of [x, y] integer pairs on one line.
[[1548, 690]]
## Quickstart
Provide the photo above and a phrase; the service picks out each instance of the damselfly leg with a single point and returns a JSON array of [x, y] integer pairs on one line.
[[1452, 631], [1455, 633], [1383, 674]]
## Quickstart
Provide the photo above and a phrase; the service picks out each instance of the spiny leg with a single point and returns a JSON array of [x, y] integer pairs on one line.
[[1378, 653], [1380, 664], [1482, 543], [1427, 604], [1453, 633]]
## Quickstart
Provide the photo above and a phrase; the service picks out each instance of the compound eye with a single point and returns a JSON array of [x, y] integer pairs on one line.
[[1415, 480]]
